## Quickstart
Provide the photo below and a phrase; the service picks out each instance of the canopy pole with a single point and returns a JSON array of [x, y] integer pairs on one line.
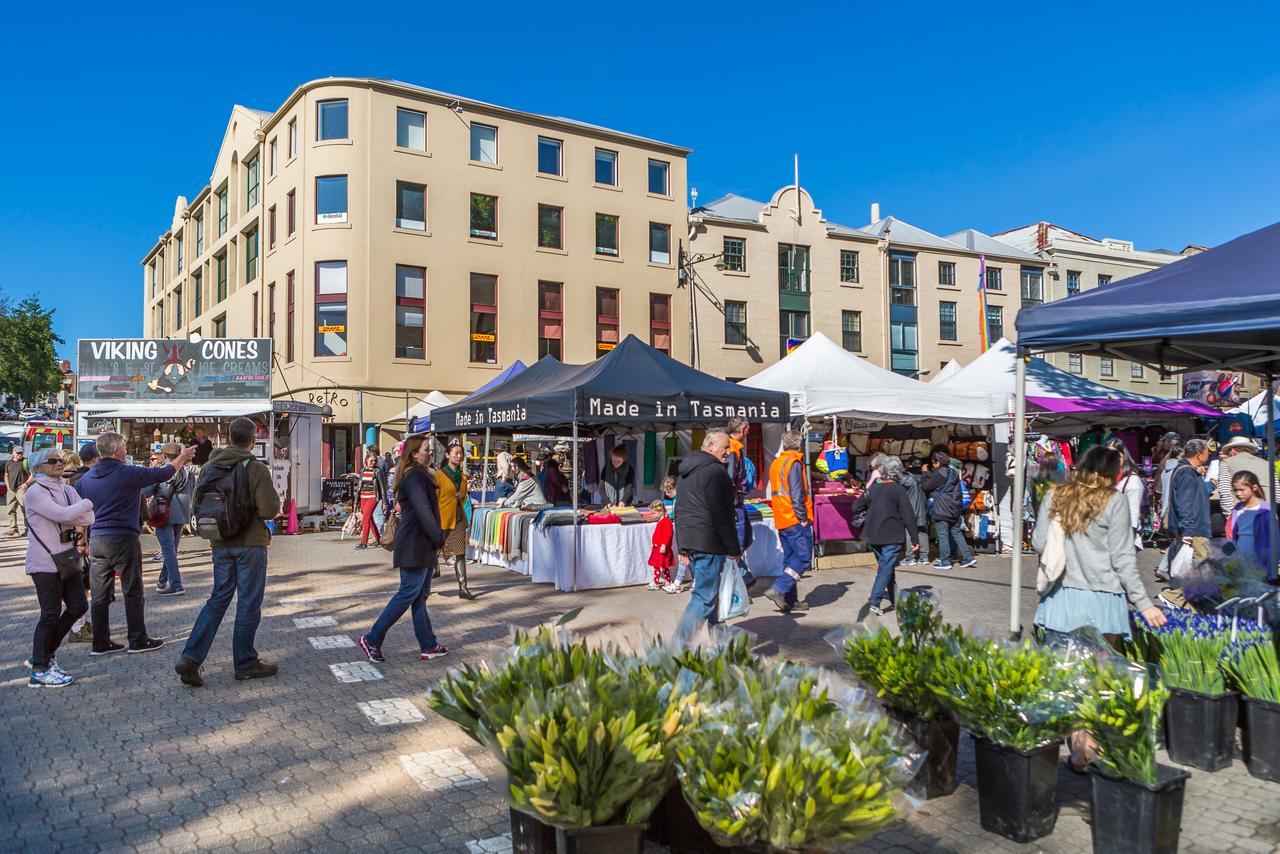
[[573, 485], [484, 478], [1019, 491], [1269, 402]]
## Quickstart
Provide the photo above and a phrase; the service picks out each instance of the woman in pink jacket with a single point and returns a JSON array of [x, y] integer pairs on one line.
[[54, 512]]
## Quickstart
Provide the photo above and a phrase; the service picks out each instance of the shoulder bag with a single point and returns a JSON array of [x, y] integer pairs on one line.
[[69, 563]]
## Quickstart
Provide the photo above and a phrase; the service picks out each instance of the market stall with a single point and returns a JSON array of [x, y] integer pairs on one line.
[[634, 390]]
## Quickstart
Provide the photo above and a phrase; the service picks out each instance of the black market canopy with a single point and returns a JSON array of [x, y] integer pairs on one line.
[[633, 386]]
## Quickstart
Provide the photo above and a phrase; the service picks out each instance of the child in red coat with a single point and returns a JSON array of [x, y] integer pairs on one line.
[[662, 557]]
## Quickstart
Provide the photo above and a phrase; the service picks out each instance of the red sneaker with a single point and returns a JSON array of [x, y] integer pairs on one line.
[[435, 652]]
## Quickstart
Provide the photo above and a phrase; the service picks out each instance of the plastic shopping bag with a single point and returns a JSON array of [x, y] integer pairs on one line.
[[1181, 567], [734, 601]]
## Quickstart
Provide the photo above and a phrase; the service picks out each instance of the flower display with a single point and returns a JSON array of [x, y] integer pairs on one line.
[[1255, 670], [1122, 708], [1191, 648]]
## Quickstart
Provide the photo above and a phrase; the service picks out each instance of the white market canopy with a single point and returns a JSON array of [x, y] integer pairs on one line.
[[429, 404], [825, 380], [1256, 408], [950, 369]]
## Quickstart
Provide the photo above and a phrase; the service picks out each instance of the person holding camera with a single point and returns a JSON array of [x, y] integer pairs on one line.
[[168, 509], [55, 562]]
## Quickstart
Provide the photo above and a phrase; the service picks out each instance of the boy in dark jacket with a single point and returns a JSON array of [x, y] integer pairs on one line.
[[704, 518]]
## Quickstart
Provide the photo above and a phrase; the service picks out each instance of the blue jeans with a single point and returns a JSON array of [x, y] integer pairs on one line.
[[704, 604], [797, 551], [742, 523], [886, 560], [947, 533], [239, 571], [169, 537], [415, 586]]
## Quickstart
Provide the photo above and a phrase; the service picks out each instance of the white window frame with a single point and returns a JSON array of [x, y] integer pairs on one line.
[[411, 129]]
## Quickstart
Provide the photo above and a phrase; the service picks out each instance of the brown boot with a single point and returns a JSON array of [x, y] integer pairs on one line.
[[460, 572]]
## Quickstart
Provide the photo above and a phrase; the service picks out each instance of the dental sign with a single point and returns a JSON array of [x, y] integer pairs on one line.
[[156, 369]]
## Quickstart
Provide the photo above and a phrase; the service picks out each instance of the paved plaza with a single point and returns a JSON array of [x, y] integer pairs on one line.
[[337, 754]]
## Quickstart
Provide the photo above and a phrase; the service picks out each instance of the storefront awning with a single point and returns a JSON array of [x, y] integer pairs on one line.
[[178, 410]]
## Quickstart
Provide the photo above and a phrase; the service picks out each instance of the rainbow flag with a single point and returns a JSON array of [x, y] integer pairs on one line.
[[984, 335]]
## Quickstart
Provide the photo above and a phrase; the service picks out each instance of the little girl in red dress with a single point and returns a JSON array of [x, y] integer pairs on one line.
[[662, 558]]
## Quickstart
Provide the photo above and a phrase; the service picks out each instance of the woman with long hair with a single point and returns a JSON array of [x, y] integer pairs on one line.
[[1130, 486], [1249, 525], [454, 494], [417, 538]]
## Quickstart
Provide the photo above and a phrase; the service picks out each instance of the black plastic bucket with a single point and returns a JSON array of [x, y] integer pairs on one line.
[[1261, 738], [1136, 817], [609, 839], [1200, 729], [940, 737], [674, 825], [1017, 789], [530, 834]]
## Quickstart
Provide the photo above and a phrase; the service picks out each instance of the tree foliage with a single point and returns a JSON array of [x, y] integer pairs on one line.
[[28, 358]]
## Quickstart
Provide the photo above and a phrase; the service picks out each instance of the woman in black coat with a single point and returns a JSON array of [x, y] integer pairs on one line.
[[890, 519], [416, 540]]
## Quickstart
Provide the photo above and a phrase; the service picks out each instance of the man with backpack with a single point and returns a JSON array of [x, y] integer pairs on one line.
[[947, 498], [114, 549], [168, 509], [233, 496]]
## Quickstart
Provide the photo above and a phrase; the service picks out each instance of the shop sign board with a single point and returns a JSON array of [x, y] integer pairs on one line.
[[155, 369], [1213, 388]]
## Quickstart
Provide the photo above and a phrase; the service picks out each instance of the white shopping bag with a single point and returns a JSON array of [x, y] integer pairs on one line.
[[1181, 565], [734, 601]]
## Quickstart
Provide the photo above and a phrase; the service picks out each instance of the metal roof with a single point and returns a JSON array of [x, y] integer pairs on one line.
[[976, 241], [732, 206], [897, 231]]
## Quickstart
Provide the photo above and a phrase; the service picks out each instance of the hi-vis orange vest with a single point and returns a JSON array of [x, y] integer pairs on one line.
[[784, 515]]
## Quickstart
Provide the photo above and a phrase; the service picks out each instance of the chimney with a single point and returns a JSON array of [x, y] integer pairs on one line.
[[875, 212]]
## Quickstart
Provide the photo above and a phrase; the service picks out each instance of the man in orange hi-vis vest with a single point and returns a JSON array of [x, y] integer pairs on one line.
[[793, 517]]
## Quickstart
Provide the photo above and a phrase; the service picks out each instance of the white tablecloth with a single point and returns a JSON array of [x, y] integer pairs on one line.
[[615, 555]]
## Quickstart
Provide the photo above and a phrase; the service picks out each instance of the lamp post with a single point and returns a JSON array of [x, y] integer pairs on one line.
[[686, 273]]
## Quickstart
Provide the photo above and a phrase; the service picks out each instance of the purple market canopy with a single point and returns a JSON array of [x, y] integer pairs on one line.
[[1063, 405]]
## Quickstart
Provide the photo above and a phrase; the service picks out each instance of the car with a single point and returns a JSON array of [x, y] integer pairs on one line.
[[31, 414]]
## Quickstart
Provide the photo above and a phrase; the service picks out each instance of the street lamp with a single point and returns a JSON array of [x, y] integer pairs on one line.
[[686, 273]]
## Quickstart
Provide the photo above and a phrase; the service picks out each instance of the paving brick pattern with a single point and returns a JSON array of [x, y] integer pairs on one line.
[[332, 642], [130, 759], [397, 710], [355, 671]]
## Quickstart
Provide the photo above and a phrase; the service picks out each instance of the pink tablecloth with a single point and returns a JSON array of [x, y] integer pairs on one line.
[[833, 517]]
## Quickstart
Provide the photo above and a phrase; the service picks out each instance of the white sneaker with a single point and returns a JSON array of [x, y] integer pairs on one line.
[[651, 586], [49, 679], [671, 587]]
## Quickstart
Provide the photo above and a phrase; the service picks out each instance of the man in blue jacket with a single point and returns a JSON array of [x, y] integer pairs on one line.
[[116, 492], [1189, 502]]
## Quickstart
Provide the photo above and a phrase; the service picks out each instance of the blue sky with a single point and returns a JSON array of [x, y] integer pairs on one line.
[[1156, 123]]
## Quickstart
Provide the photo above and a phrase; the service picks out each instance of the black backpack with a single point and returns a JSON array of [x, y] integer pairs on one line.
[[946, 503], [222, 507]]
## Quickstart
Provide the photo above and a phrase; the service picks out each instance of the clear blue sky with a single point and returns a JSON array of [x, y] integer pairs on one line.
[[1156, 123]]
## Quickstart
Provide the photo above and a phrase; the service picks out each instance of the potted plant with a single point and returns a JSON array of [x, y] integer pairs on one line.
[[1018, 701], [1137, 804], [897, 669], [1255, 671]]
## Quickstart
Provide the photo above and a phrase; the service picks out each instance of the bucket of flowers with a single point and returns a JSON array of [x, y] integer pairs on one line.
[[1254, 669]]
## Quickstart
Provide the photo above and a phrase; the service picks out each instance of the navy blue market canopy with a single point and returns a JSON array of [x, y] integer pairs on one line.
[[1219, 309], [423, 424], [634, 385]]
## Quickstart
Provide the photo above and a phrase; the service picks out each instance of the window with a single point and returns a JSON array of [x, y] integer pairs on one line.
[[1032, 286], [1075, 363], [848, 265], [550, 227], [331, 199], [484, 216], [293, 137], [660, 322], [219, 327], [291, 213], [273, 149], [1106, 367], [159, 314], [411, 129], [177, 242], [222, 211], [735, 254], [904, 357], [735, 323], [484, 143], [331, 308], [220, 278], [793, 269], [1103, 280], [606, 167], [254, 327], [1073, 282], [155, 275], [271, 312], [1136, 371], [995, 322], [660, 177], [551, 319], [851, 330], [177, 308], [331, 119], [199, 226], [947, 273], [251, 255], [606, 320], [793, 325], [902, 279], [947, 321], [289, 307], [484, 318], [197, 288], [550, 152], [606, 234], [411, 206], [271, 227], [411, 312], [995, 279], [252, 182], [659, 243]]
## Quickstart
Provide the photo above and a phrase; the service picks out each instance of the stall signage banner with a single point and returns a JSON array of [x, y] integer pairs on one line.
[[155, 369], [600, 409], [337, 490], [1213, 388]]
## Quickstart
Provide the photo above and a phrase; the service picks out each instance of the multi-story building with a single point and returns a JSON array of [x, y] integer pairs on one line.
[[1079, 263], [891, 292], [392, 240]]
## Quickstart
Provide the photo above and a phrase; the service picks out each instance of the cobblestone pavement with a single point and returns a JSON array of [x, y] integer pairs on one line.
[[339, 755]]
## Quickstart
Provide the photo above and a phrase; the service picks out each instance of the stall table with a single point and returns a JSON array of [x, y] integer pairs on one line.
[[833, 517]]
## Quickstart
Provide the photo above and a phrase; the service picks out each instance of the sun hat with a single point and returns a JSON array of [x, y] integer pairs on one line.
[[1240, 442]]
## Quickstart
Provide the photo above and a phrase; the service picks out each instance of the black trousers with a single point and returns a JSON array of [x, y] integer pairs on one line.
[[55, 620], [108, 556]]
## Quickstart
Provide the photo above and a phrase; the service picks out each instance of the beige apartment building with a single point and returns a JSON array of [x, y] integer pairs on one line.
[[1078, 263], [893, 293], [392, 240]]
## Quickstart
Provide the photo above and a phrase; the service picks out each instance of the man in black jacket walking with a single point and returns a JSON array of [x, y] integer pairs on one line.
[[704, 518]]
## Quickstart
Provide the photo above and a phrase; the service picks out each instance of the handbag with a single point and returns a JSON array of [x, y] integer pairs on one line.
[[1053, 563], [69, 563], [388, 538]]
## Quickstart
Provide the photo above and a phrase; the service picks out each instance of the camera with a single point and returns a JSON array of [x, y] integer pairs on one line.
[[71, 536]]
